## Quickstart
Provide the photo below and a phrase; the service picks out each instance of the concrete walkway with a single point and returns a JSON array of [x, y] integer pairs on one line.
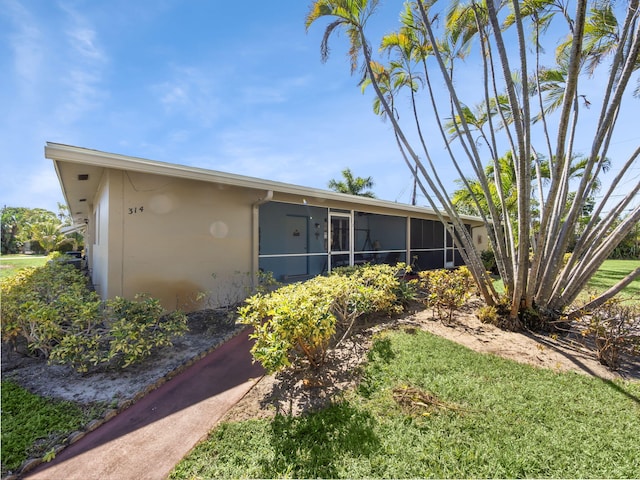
[[149, 438]]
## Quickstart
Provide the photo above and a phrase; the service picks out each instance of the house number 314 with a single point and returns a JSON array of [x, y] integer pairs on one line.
[[134, 210]]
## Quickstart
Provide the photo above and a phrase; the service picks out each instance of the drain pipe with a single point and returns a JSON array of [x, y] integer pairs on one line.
[[255, 235]]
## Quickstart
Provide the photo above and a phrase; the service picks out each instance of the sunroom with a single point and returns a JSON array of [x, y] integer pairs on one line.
[[299, 241]]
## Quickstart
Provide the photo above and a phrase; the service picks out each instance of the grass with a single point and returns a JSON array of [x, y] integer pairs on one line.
[[28, 418], [610, 272], [10, 264], [465, 415]]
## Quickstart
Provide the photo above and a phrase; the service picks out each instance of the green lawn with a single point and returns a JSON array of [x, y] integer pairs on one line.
[[10, 264], [611, 272], [470, 415]]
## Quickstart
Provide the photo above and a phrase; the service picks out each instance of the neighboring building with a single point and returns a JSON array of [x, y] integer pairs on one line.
[[177, 232]]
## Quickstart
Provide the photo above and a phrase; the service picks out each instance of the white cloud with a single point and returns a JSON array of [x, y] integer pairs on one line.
[[33, 186], [82, 89], [83, 94], [190, 92], [263, 95], [83, 40], [178, 136], [27, 44], [277, 92], [174, 95]]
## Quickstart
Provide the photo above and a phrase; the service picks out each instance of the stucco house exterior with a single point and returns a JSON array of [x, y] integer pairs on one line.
[[188, 235]]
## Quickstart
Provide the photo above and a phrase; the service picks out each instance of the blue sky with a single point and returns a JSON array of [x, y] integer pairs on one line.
[[236, 87]]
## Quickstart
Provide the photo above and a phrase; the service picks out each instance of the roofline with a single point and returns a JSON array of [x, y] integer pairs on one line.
[[68, 153]]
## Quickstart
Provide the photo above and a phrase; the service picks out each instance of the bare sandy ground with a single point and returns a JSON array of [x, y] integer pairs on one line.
[[207, 329]]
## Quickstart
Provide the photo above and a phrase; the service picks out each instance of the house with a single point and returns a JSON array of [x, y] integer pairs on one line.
[[181, 234]]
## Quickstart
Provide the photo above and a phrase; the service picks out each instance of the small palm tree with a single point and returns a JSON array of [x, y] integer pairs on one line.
[[48, 234], [352, 185]]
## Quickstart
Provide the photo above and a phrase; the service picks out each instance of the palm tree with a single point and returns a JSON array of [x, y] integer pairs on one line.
[[504, 119], [352, 185], [352, 16], [48, 234]]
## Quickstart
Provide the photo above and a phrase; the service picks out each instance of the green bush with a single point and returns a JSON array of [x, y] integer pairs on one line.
[[301, 319], [43, 304], [61, 319], [488, 258], [293, 320], [369, 289], [445, 291], [129, 332], [488, 314]]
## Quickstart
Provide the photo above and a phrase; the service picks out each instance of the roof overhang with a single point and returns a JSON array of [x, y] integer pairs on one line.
[[80, 169]]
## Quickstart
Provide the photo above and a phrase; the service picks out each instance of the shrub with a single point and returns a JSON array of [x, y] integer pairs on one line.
[[488, 314], [488, 258], [129, 332], [445, 290], [43, 304], [368, 289], [301, 319], [295, 319], [61, 319], [615, 329]]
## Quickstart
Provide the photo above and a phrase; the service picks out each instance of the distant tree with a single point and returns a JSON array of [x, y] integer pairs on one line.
[[12, 221], [21, 225], [629, 247], [48, 234], [469, 199], [352, 185]]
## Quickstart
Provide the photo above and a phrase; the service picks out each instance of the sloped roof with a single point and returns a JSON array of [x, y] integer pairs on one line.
[[79, 171]]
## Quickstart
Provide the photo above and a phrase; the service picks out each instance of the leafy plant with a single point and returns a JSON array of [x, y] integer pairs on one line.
[[43, 304], [293, 320], [301, 319], [129, 332], [60, 318], [488, 314], [137, 327], [445, 291], [488, 258], [525, 122], [368, 289]]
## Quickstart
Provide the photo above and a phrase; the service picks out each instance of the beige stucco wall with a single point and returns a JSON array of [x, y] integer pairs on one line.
[[99, 253], [185, 242], [480, 238]]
